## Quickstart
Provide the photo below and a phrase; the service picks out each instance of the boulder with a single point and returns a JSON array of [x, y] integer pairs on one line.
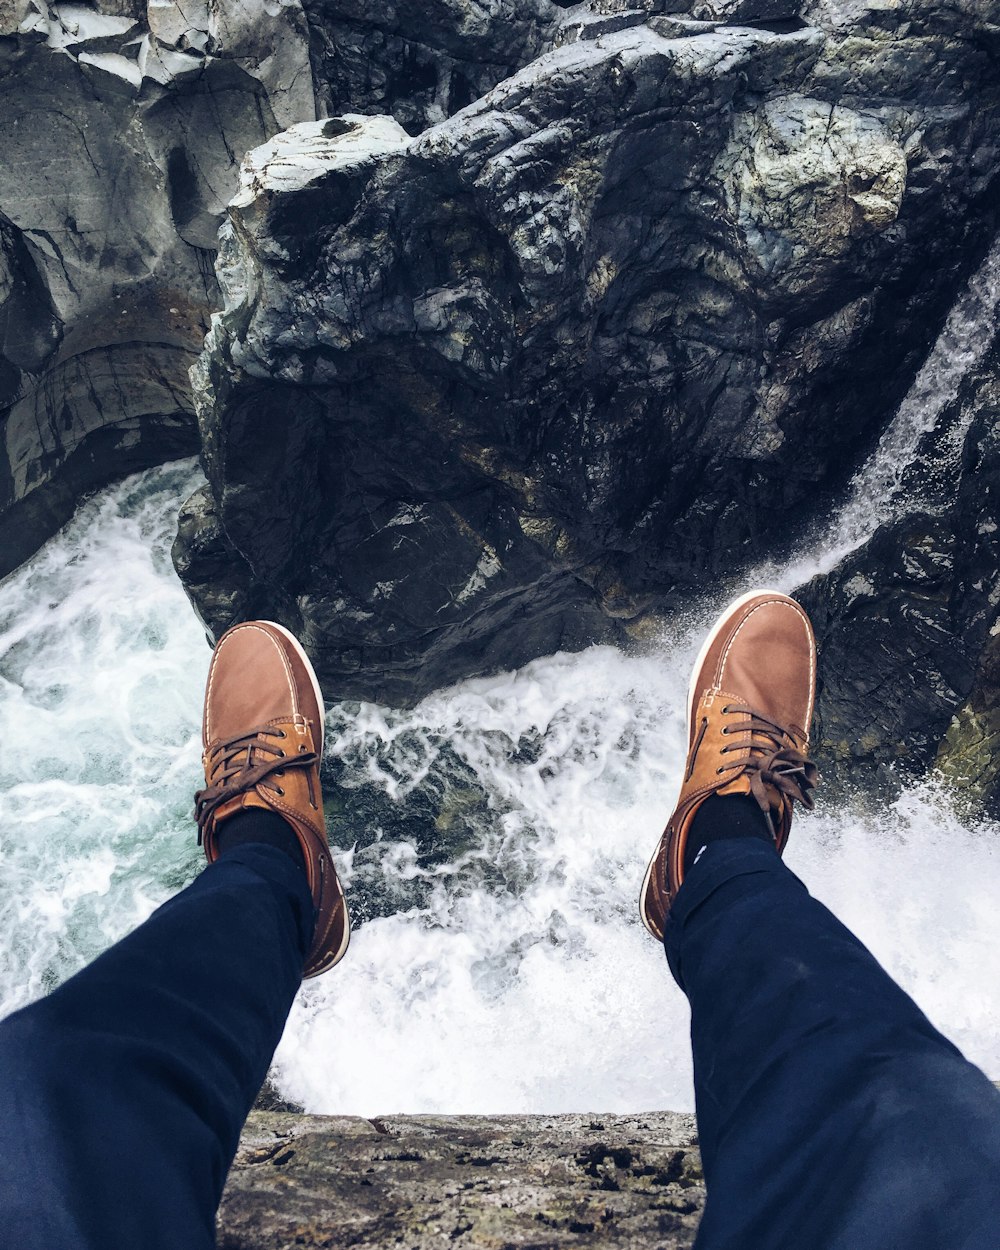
[[522, 381]]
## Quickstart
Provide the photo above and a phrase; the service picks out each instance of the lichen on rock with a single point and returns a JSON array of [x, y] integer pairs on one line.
[[475, 1181], [806, 181]]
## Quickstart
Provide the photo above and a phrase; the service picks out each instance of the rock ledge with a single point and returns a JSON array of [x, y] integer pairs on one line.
[[517, 1180]]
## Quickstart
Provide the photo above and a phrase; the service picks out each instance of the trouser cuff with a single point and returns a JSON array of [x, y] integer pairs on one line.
[[286, 878], [719, 863]]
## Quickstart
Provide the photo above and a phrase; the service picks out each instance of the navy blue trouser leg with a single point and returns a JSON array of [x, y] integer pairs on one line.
[[832, 1115], [125, 1090]]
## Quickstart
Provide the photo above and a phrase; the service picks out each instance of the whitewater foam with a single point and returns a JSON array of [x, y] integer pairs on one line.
[[542, 992], [102, 657], [521, 978], [546, 995]]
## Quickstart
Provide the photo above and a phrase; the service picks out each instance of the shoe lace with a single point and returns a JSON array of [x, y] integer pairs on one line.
[[775, 762], [242, 762]]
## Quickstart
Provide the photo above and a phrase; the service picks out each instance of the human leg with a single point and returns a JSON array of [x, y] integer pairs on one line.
[[831, 1113], [126, 1088]]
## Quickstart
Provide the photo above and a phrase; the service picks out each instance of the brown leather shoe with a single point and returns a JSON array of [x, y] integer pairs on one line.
[[263, 740], [750, 705]]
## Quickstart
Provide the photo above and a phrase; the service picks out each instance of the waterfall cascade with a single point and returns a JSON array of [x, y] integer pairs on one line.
[[511, 972], [877, 492]]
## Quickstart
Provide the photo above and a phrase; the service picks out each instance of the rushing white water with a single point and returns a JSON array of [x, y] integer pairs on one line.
[[512, 973], [522, 978], [102, 666], [540, 990]]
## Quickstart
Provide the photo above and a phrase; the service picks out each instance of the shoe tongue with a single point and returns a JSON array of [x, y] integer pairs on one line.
[[744, 784], [236, 804], [250, 684], [739, 785], [769, 667]]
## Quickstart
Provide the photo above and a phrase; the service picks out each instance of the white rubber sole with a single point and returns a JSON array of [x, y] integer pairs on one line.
[[706, 646], [300, 652]]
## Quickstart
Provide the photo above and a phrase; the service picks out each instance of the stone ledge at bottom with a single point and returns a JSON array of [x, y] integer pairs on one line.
[[464, 1181]]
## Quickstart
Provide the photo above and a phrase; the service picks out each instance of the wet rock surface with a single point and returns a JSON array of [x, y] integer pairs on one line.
[[587, 344], [469, 1180], [907, 624], [123, 128], [420, 63], [398, 843], [968, 756]]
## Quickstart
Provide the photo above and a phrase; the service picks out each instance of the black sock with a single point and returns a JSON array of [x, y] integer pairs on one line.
[[725, 816], [255, 824]]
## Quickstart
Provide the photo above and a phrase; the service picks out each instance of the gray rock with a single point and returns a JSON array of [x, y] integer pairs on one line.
[[546, 367], [473, 1181], [805, 183], [968, 756], [421, 63], [101, 413], [123, 129], [734, 12], [201, 551]]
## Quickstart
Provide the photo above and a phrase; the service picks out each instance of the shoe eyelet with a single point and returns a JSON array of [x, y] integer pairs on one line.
[[302, 747], [718, 770], [281, 733], [726, 709], [279, 772], [281, 754], [278, 790]]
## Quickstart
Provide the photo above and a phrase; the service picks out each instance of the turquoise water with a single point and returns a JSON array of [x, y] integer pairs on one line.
[[102, 664]]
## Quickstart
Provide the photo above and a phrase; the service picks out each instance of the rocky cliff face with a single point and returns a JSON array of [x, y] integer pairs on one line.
[[907, 624], [123, 125], [522, 380], [419, 63]]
